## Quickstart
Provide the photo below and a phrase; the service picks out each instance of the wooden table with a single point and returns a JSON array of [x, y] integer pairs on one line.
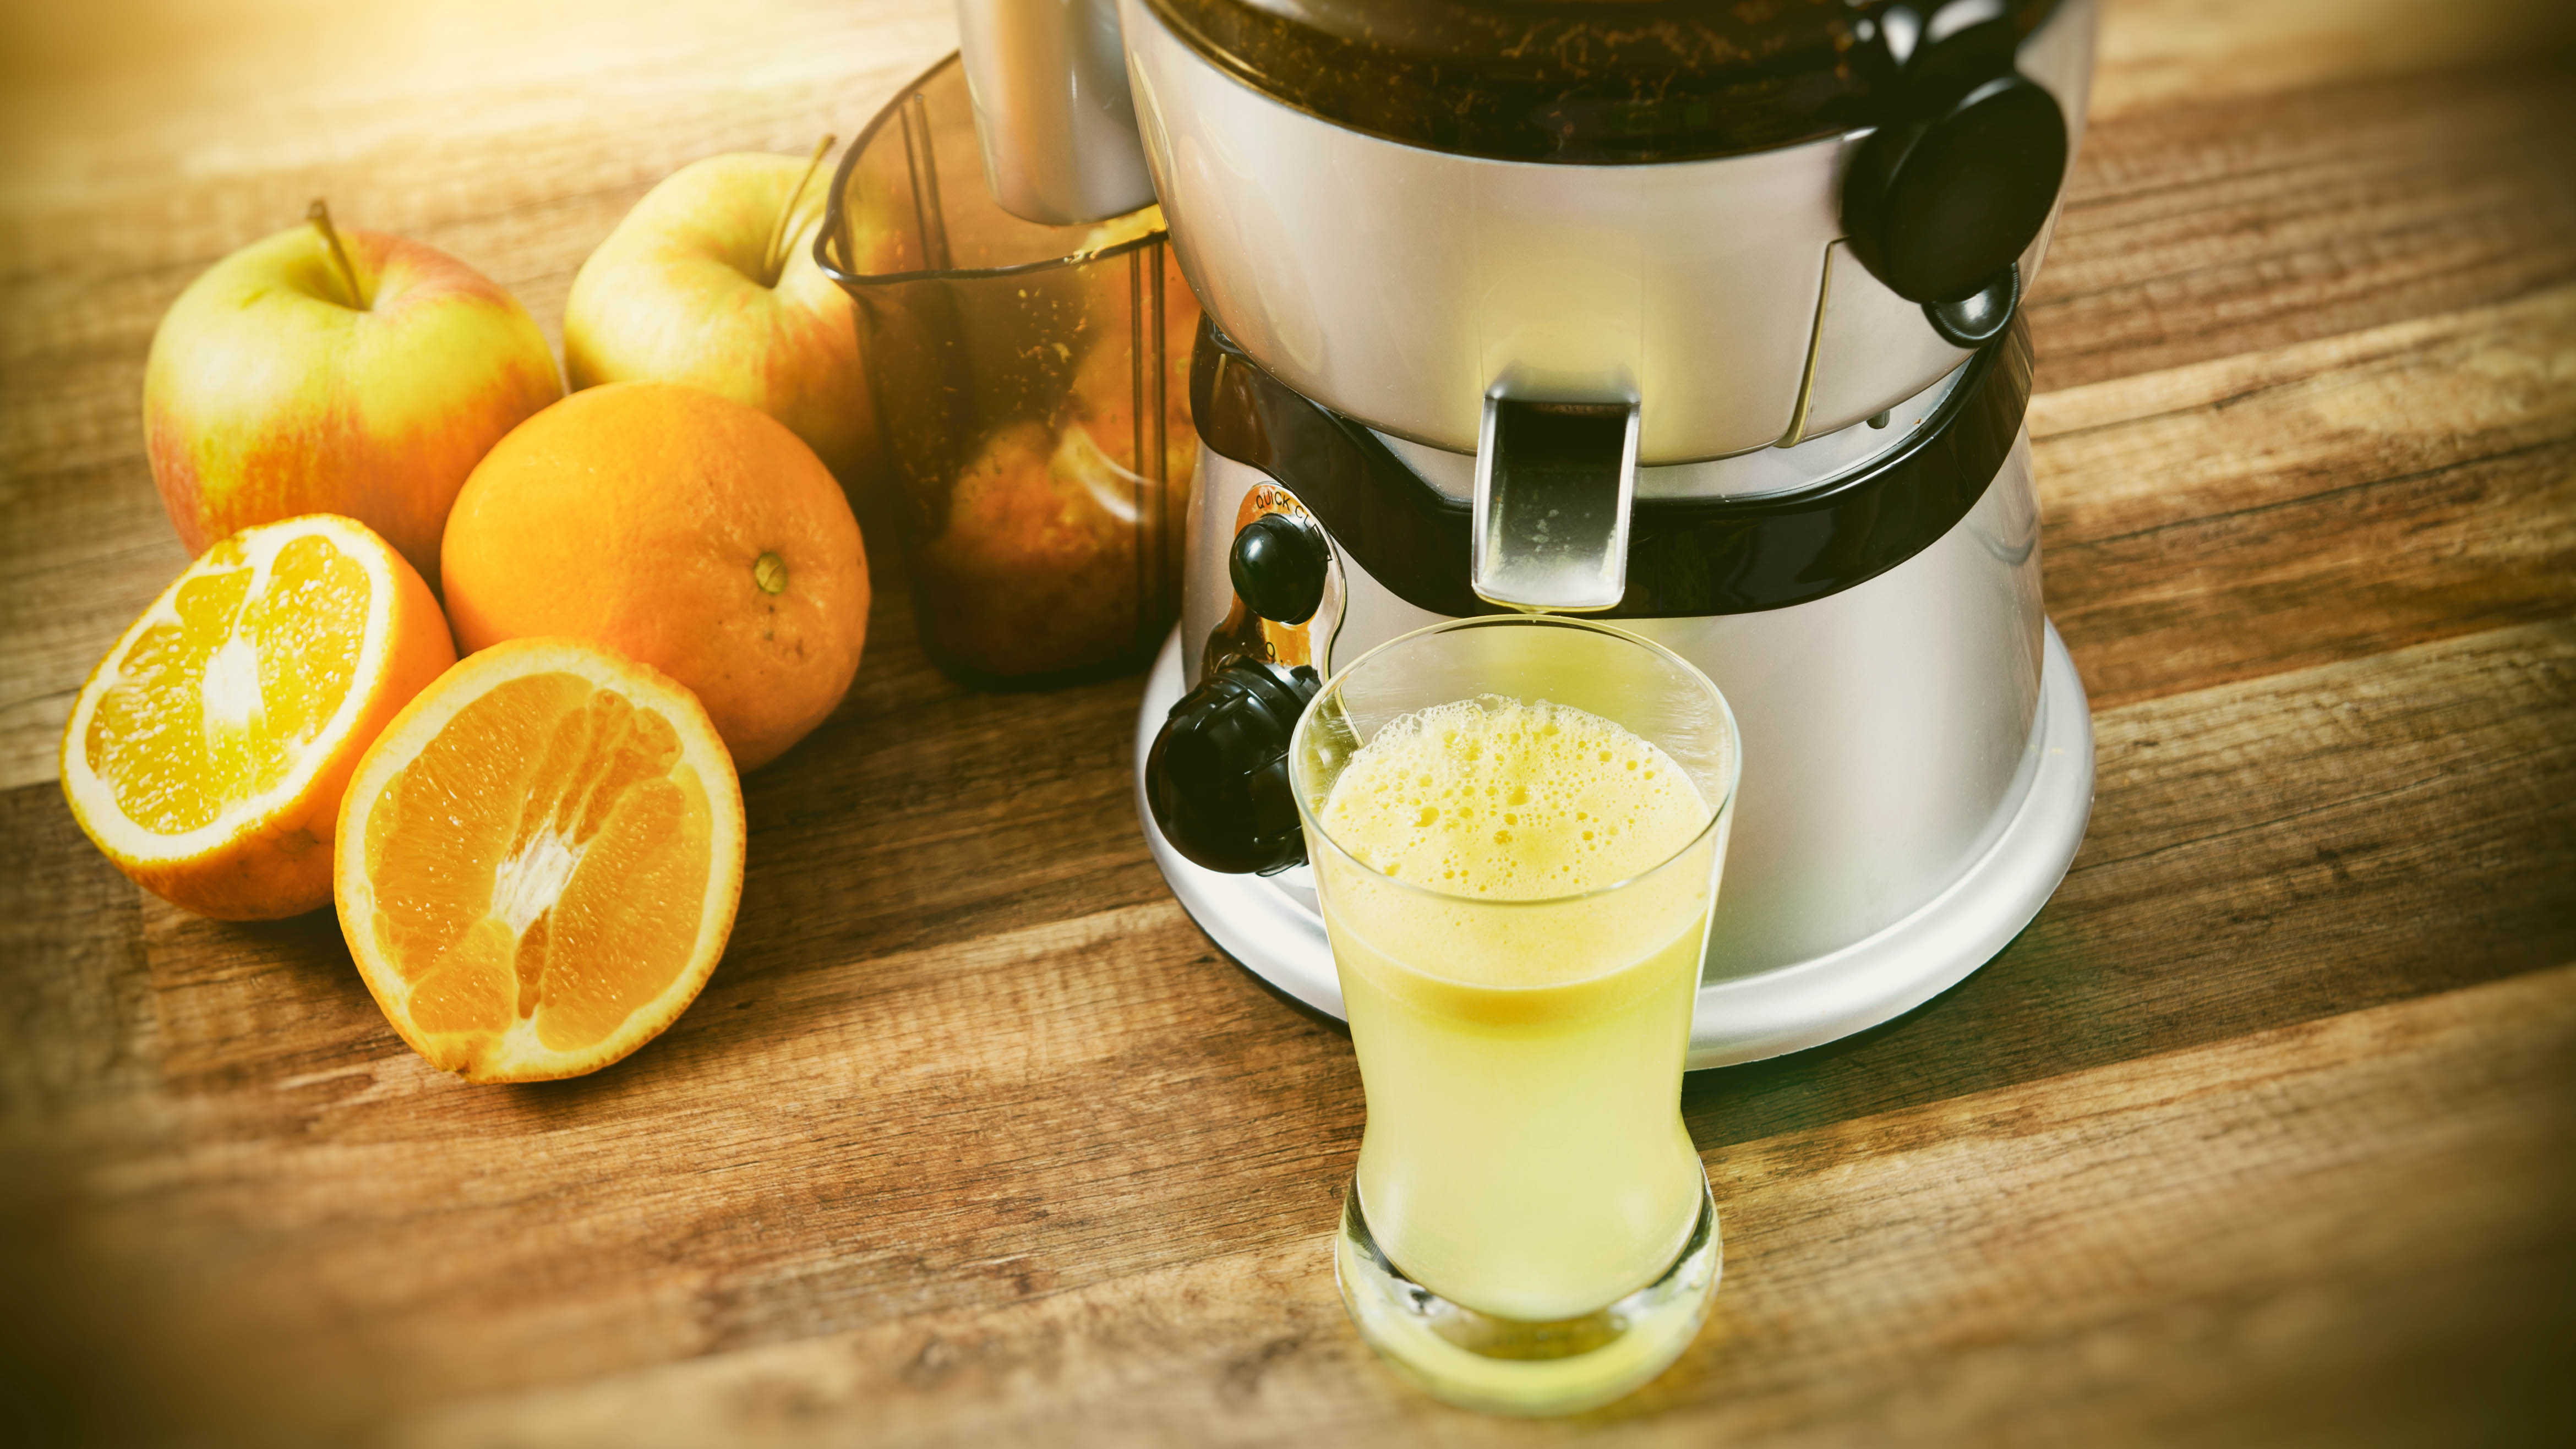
[[2264, 1132]]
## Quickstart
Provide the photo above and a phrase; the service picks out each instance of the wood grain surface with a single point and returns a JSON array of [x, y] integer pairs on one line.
[[2264, 1132]]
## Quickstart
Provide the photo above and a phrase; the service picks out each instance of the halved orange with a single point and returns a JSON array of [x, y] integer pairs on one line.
[[207, 754], [539, 861]]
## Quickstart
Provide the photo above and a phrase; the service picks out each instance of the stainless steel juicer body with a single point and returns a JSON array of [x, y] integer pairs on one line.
[[1401, 285], [1919, 756], [1888, 728], [1823, 496], [1919, 771]]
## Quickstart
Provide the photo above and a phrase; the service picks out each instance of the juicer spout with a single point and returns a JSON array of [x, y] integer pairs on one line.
[[1555, 482], [1052, 112]]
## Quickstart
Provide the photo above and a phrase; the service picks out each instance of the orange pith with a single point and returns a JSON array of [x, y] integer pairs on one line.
[[207, 754], [540, 860]]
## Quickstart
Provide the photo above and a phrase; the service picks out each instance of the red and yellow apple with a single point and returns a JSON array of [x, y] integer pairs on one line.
[[366, 380], [702, 284]]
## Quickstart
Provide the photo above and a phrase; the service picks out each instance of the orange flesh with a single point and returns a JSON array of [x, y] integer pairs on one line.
[[556, 866], [217, 708]]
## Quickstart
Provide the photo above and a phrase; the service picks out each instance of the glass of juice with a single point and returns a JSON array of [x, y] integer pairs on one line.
[[1516, 825]]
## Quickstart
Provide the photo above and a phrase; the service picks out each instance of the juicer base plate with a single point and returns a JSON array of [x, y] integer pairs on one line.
[[1271, 927]]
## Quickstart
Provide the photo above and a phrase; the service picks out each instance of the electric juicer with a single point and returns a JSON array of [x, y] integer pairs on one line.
[[1701, 318]]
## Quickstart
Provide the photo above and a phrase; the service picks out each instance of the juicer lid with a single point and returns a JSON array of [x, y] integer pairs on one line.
[[1583, 81]]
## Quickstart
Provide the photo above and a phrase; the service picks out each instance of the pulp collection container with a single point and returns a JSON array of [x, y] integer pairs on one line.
[[1031, 386]]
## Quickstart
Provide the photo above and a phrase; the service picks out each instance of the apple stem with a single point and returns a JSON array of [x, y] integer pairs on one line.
[[320, 215], [773, 257]]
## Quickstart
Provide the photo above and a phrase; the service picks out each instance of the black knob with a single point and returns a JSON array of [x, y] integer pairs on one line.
[[1217, 777], [1278, 565], [1960, 174]]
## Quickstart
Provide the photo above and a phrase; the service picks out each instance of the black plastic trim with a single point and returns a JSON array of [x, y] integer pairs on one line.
[[1980, 317], [1686, 557]]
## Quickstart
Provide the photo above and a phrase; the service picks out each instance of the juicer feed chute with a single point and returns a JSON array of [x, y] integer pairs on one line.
[[1052, 117]]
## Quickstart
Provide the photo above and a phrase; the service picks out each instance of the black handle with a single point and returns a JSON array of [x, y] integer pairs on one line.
[[1948, 192], [1217, 777]]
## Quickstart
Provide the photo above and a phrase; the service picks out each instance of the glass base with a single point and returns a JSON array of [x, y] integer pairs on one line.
[[1507, 1366]]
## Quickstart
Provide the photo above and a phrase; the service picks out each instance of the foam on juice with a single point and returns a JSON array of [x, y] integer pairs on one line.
[[1505, 800]]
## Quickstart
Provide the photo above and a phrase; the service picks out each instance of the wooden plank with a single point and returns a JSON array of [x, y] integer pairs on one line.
[[923, 811], [90, 552], [2158, 53], [2202, 230], [2262, 853], [945, 1128], [2313, 503], [973, 1136], [75, 997], [919, 814], [2352, 1231], [836, 1135]]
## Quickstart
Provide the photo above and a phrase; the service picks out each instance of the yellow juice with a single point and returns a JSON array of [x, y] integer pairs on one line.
[[1521, 1030]]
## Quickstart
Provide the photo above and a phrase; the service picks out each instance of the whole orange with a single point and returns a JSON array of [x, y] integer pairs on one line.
[[683, 530]]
